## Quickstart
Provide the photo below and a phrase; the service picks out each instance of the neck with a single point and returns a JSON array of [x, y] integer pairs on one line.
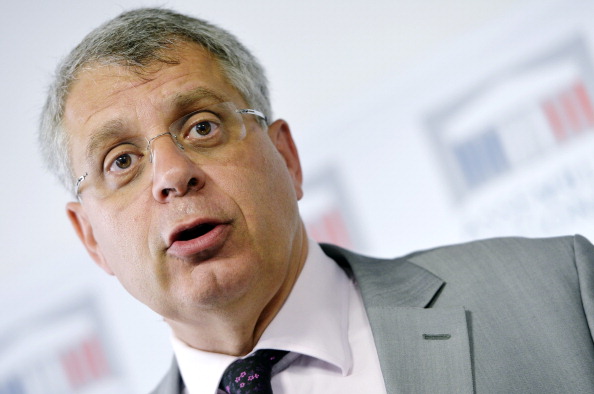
[[236, 330]]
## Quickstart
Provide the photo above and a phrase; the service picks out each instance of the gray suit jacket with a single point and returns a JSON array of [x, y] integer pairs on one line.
[[507, 315]]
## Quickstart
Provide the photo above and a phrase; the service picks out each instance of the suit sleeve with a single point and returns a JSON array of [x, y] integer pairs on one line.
[[584, 260]]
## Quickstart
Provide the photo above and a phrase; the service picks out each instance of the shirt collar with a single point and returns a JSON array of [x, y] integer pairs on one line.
[[314, 319], [313, 322]]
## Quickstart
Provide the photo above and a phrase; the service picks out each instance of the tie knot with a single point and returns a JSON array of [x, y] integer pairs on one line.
[[251, 374]]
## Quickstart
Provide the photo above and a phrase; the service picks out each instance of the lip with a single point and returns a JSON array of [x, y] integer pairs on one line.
[[203, 246]]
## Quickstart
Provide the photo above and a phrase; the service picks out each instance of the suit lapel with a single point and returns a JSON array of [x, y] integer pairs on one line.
[[171, 383], [421, 349]]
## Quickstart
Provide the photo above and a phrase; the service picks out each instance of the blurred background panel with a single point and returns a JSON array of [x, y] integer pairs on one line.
[[418, 124]]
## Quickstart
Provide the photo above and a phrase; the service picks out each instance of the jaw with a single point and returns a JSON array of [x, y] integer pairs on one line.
[[234, 325]]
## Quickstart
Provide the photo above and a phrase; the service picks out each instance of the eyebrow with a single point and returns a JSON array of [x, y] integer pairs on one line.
[[107, 132], [186, 100]]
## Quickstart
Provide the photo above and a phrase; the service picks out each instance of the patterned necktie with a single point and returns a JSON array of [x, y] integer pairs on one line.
[[251, 374]]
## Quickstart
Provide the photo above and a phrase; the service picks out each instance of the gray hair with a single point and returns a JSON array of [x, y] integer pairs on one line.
[[138, 39]]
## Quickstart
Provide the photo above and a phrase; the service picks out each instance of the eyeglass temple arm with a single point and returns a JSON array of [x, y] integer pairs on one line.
[[252, 112], [78, 182]]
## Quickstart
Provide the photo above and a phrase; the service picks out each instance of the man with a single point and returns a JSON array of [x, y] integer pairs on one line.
[[186, 191]]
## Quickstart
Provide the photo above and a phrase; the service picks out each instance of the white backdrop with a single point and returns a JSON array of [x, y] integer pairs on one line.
[[369, 92]]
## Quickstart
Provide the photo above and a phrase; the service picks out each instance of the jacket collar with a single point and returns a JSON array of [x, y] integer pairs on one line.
[[393, 283]]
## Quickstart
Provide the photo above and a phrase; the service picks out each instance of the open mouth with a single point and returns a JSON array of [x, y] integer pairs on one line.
[[195, 232], [199, 242]]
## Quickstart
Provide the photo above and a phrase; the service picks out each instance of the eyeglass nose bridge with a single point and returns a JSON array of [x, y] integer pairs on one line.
[[150, 141]]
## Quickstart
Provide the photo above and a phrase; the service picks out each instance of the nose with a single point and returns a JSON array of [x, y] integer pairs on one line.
[[174, 173]]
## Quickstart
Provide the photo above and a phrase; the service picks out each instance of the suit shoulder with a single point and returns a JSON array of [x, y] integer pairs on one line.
[[505, 256], [502, 246]]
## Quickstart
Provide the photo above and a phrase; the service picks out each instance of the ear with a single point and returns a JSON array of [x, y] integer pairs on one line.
[[280, 134], [78, 217]]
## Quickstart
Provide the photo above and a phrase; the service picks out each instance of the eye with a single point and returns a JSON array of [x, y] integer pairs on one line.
[[122, 159], [203, 128], [201, 125], [122, 162]]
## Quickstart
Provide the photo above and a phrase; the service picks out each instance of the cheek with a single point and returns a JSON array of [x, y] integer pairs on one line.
[[124, 242], [261, 187], [122, 236]]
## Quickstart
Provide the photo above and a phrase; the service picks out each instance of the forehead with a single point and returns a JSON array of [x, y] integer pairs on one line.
[[104, 94]]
